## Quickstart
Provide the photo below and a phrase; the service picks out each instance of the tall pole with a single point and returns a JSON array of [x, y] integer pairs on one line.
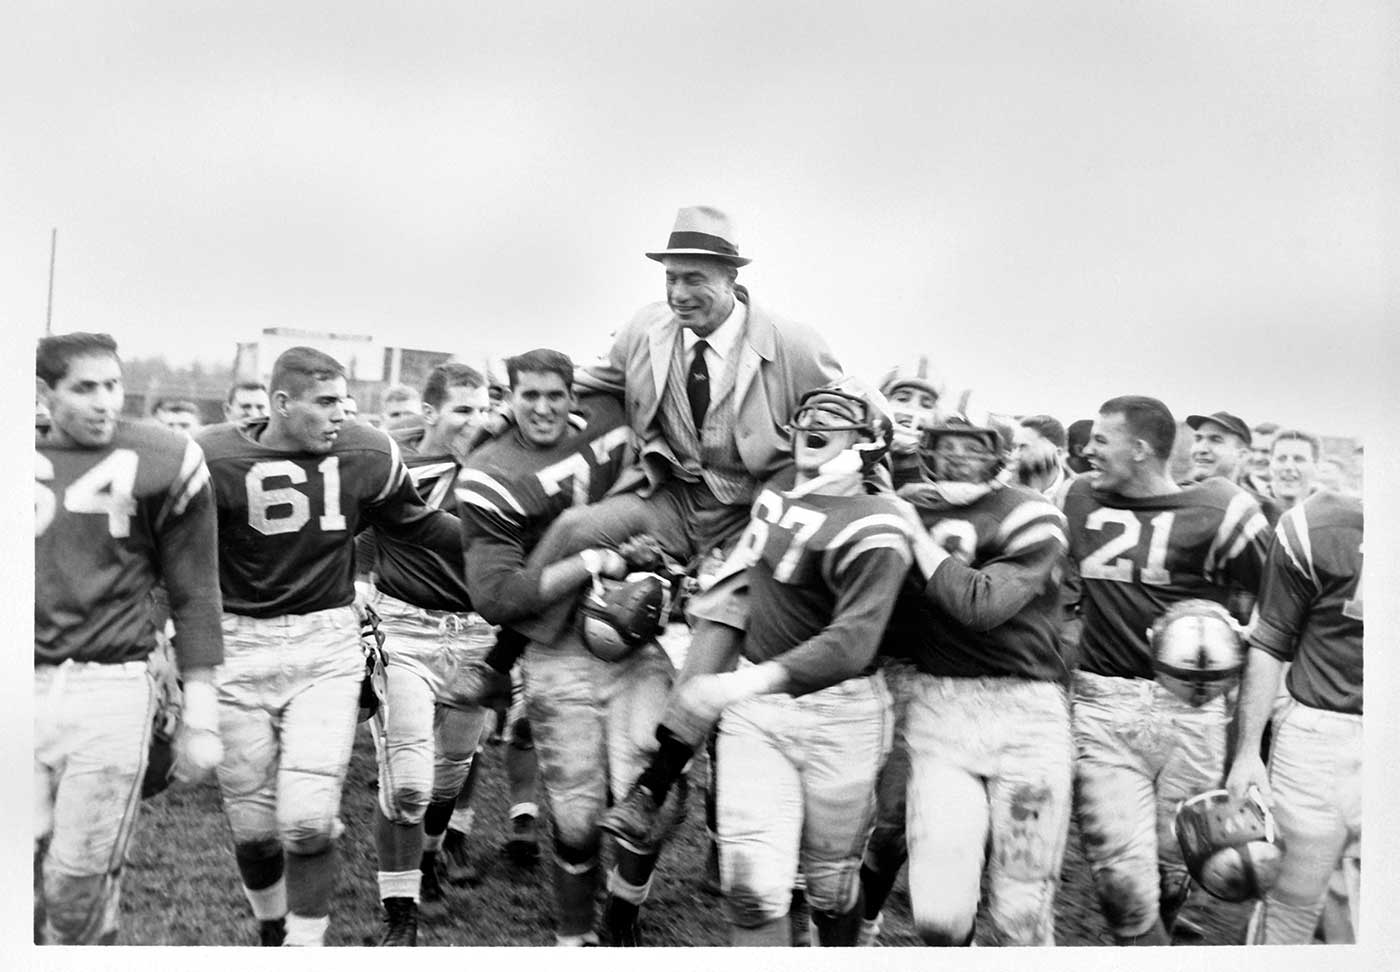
[[53, 253]]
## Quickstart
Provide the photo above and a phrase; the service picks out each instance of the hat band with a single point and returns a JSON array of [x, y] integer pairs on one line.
[[689, 240]]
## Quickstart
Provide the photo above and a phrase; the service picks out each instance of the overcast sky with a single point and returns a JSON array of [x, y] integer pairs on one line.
[[1057, 202]]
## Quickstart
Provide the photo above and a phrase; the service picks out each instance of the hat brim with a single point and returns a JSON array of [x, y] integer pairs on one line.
[[1194, 422], [923, 384], [737, 261]]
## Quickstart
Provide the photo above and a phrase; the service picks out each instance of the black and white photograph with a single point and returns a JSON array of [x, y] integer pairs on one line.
[[704, 475]]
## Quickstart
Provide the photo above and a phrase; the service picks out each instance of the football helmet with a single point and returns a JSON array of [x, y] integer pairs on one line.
[[856, 408], [913, 395], [617, 616], [1196, 650], [1232, 849], [995, 435]]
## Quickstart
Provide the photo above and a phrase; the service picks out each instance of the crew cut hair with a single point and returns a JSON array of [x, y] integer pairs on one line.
[[544, 361], [1301, 436], [239, 386], [450, 374], [297, 369], [1148, 419], [1049, 427], [56, 352]]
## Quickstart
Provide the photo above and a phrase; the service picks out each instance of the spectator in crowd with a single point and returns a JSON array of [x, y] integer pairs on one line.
[[1221, 446], [247, 402], [1076, 437], [401, 400], [1038, 454], [178, 415], [1261, 444], [1293, 466]]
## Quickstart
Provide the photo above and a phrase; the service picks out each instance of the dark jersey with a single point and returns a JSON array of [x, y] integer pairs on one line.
[[287, 520], [110, 523], [993, 607], [1137, 557], [1310, 605], [510, 491], [823, 572], [411, 572]]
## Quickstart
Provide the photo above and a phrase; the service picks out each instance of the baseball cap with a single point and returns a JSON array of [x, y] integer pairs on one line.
[[1228, 422]]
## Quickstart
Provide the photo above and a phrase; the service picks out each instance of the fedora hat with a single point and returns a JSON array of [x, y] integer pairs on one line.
[[702, 231]]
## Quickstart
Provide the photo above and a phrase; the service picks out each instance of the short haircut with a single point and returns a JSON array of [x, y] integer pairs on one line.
[[1301, 436], [451, 374], [1077, 435], [1148, 419], [297, 369], [56, 352], [1265, 428], [175, 405], [1049, 427], [400, 393], [543, 361], [244, 386]]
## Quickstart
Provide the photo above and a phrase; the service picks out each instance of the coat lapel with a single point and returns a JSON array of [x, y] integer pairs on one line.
[[662, 338], [758, 347]]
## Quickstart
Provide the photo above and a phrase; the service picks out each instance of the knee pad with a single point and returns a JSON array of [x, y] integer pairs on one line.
[[576, 854], [405, 806], [308, 835], [79, 909], [749, 907]]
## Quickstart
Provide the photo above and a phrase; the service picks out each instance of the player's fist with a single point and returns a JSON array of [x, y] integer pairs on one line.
[[643, 553], [1248, 771], [197, 753], [703, 698]]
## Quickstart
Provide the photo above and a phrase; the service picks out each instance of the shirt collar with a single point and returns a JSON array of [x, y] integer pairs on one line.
[[722, 338]]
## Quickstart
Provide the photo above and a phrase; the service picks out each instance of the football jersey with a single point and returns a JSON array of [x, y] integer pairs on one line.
[[1310, 604], [509, 492], [1138, 556], [823, 572], [111, 523], [993, 607], [408, 571], [287, 520]]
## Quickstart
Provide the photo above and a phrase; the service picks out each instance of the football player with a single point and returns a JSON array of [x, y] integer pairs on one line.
[[804, 723], [292, 491], [1038, 459], [425, 737], [177, 415], [1142, 543], [985, 726], [118, 507], [1293, 460], [1310, 614], [591, 719], [247, 402], [913, 396]]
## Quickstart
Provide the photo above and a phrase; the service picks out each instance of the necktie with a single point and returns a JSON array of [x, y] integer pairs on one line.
[[697, 384]]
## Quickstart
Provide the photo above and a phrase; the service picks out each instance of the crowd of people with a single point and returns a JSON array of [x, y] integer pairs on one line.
[[906, 632]]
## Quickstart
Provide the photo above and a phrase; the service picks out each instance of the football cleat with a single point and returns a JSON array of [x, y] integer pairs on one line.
[[401, 923], [454, 854], [272, 932], [633, 820], [430, 890], [523, 847]]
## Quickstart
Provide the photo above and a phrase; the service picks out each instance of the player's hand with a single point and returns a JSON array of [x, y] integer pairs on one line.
[[703, 698], [198, 752], [910, 514], [642, 551], [1248, 771], [612, 564]]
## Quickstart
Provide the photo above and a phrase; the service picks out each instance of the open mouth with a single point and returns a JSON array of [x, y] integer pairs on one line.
[[816, 440]]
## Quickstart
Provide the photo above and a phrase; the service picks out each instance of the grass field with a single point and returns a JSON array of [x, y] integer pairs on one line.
[[181, 886]]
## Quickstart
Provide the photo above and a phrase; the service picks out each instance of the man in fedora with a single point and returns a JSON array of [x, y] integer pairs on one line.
[[708, 380]]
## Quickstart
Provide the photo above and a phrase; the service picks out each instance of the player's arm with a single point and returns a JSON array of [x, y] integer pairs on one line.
[[867, 583], [1241, 544], [187, 545], [984, 598], [503, 587], [1283, 605], [400, 512]]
